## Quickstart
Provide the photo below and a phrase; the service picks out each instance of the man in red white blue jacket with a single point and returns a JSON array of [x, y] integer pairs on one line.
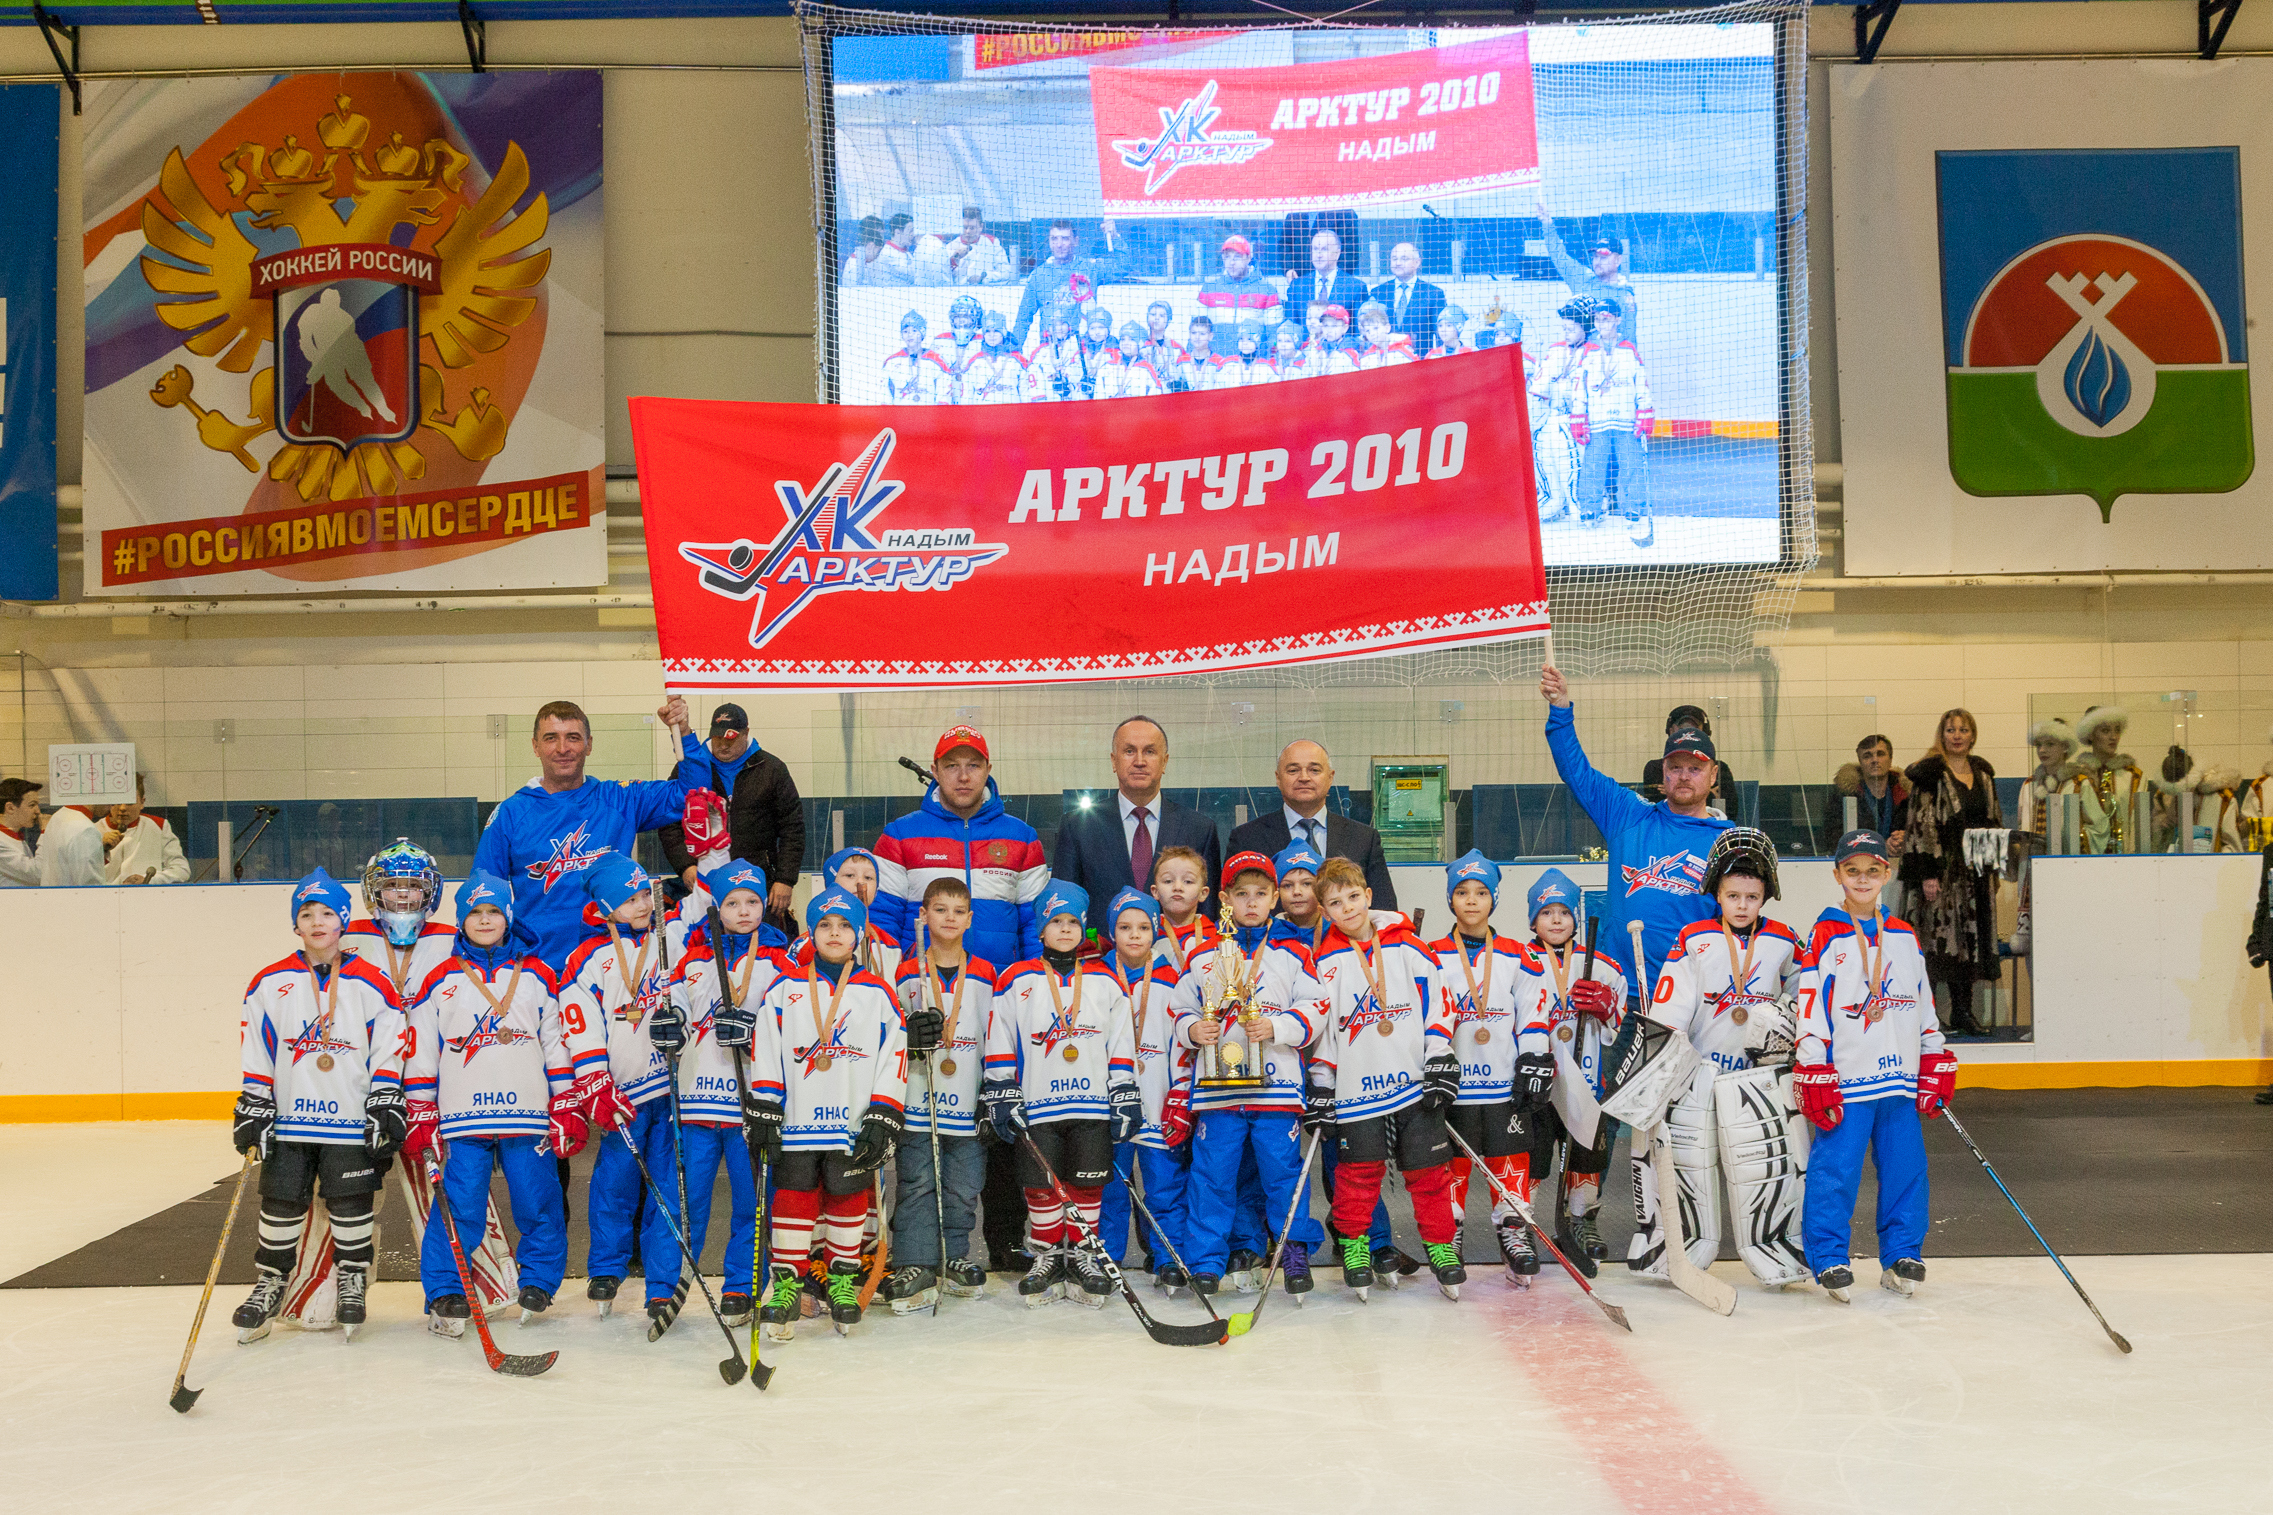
[[961, 831]]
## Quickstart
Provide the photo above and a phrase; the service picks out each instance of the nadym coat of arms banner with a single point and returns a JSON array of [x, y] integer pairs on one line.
[[344, 332]]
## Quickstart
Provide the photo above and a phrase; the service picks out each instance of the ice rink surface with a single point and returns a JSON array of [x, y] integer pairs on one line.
[[1992, 1390]]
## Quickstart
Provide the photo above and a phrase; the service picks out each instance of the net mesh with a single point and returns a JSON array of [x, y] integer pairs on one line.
[[1679, 138]]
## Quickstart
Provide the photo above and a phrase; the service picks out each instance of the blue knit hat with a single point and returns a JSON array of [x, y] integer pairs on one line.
[[842, 855], [1298, 858], [482, 889], [1554, 887], [1472, 867], [613, 879], [320, 888], [1133, 899], [836, 900], [1062, 898], [731, 875]]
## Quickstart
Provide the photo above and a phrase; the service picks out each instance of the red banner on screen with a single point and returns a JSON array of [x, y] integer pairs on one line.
[[883, 547], [1262, 141]]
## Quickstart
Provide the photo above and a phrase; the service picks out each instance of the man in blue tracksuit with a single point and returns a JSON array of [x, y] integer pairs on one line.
[[548, 832], [961, 831], [1657, 852]]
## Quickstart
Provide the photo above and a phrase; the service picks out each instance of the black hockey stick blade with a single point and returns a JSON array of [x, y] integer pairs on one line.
[[733, 1369], [1617, 1316], [1211, 1333], [1208, 1333], [522, 1367], [183, 1398]]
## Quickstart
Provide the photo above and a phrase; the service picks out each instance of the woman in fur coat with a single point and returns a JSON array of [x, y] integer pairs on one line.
[[1952, 791]]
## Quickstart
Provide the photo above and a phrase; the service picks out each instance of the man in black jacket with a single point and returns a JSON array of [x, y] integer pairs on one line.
[[764, 816], [1306, 776], [1106, 849]]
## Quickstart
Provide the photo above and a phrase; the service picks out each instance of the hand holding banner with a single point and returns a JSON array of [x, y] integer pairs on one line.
[[1392, 511]]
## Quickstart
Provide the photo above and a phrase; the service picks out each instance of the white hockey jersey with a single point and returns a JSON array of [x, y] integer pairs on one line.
[[1394, 353], [965, 1000], [149, 846], [1491, 1023], [1712, 985], [486, 1045], [1065, 1042], [1554, 385], [1386, 1015], [1200, 371], [610, 989], [1320, 361], [317, 1048], [916, 379], [1288, 999], [19, 864], [1613, 391], [1121, 379], [1866, 1006], [827, 1051], [1544, 991], [1160, 1064], [996, 376], [406, 968], [710, 1090]]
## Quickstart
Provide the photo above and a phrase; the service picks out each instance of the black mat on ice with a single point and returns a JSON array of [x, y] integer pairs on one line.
[[2102, 1171]]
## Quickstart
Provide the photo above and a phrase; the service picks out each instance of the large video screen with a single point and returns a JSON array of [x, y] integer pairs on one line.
[[1048, 218]]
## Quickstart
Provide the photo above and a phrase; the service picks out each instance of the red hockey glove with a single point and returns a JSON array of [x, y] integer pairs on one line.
[[568, 1129], [1592, 997], [1819, 1097], [704, 823], [1578, 430], [425, 1125], [1645, 423], [602, 1102], [1176, 1118], [1937, 1081]]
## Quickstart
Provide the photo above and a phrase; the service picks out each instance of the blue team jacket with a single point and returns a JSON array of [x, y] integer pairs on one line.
[[994, 853], [542, 843]]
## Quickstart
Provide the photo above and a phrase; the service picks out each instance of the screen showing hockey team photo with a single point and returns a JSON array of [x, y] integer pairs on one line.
[[1215, 210]]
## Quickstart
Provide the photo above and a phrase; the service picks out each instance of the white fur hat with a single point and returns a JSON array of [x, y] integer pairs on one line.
[[2102, 715], [2220, 779], [2055, 728]]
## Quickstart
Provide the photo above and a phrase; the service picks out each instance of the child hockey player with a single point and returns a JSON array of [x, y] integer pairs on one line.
[[1277, 1017], [1328, 350], [1614, 413], [616, 981], [945, 997], [1198, 367], [1582, 1010], [1558, 431], [1386, 1050], [1160, 1154], [854, 870], [829, 1083], [1379, 346], [913, 374], [1870, 1063], [1061, 1067], [1127, 374], [1501, 1041], [322, 1101], [488, 1072], [712, 1045], [1180, 883], [1286, 352], [1450, 343], [1726, 985], [1249, 361], [998, 373]]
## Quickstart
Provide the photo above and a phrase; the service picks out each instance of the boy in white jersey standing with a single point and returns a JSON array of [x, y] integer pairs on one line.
[[1160, 1155], [1870, 1063], [322, 1101], [1580, 995]]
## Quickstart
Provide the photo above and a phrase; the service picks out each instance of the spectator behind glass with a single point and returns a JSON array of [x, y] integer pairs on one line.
[[857, 268], [19, 820], [1953, 791], [975, 257], [1691, 718], [142, 849], [1882, 804]]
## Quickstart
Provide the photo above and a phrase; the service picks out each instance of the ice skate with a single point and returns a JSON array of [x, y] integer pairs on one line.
[[734, 1309], [1837, 1282], [1357, 1266], [1045, 1281], [602, 1291], [1903, 1276], [1444, 1262], [844, 1296], [534, 1302], [1090, 1284], [448, 1315], [964, 1279], [1168, 1278], [354, 1292], [910, 1289], [1294, 1264], [1641, 530], [778, 1319], [1204, 1285], [1589, 1238], [1517, 1252], [258, 1312], [1242, 1272]]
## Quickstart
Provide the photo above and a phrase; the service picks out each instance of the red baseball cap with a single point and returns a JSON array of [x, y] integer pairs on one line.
[[960, 736], [1249, 862], [1335, 313], [1239, 245]]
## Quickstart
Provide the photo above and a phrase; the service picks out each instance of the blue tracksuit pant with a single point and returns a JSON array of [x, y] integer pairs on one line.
[[1167, 1185], [707, 1149], [1379, 1236], [532, 1184], [1224, 1143], [1889, 1130], [1113, 1208], [615, 1194]]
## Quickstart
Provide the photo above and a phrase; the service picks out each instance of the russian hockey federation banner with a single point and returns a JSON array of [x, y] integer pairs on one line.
[[871, 547], [1370, 131], [344, 329]]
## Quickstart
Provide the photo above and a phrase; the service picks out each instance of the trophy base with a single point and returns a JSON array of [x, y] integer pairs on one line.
[[1234, 1081]]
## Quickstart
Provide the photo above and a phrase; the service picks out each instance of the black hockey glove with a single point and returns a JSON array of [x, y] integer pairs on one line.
[[255, 1124], [667, 1028], [1003, 1104], [1440, 1082], [924, 1029], [736, 1029], [386, 1120], [761, 1123], [1317, 1107], [879, 1130], [1534, 1079], [1126, 1113]]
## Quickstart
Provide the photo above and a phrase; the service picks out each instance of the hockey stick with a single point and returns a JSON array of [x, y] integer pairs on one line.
[[938, 1176], [731, 1369], [1617, 1316], [1161, 1231], [1716, 1295], [1209, 1335], [1244, 1321], [182, 1398], [1966, 1137], [499, 1362], [760, 1373]]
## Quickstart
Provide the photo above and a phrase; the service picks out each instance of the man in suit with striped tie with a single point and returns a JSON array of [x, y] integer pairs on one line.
[[1106, 848]]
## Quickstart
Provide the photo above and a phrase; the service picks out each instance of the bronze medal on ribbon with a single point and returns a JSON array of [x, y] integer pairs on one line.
[[947, 1066], [323, 1063], [823, 1064], [1562, 1033], [1072, 1053], [1739, 1015], [1385, 1028], [1483, 1035]]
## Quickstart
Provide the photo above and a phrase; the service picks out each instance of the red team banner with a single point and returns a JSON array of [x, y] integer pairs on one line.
[[849, 547], [1371, 131]]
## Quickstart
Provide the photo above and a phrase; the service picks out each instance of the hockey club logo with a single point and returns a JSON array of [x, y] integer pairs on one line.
[[831, 543], [1050, 1038], [1678, 873], [346, 324], [1188, 140], [570, 854], [1466, 1011], [316, 1039], [488, 1030], [817, 1056], [650, 997], [1369, 1012], [2096, 341]]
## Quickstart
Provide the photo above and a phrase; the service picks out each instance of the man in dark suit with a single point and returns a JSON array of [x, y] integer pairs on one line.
[[1324, 284], [1413, 303], [1109, 847], [1306, 776]]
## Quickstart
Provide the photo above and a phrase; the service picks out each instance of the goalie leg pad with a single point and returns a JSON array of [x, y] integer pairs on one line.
[[1690, 1127], [1763, 1147]]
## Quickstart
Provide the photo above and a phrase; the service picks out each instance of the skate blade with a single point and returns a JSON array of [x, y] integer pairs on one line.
[[1051, 1295], [1894, 1283], [607, 1308], [842, 1327], [1840, 1296], [1362, 1293], [347, 1333], [1084, 1297], [441, 1326], [966, 1291], [1519, 1280], [915, 1303], [527, 1316], [247, 1335], [780, 1330], [1450, 1291]]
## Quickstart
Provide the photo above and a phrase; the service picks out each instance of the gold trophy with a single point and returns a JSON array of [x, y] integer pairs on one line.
[[1230, 997]]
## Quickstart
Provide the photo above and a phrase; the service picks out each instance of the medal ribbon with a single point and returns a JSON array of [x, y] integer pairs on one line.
[[1559, 969], [480, 980], [1872, 961], [953, 1008], [635, 975], [824, 1030], [329, 1003], [1740, 973], [1059, 1021], [1476, 997], [1376, 976]]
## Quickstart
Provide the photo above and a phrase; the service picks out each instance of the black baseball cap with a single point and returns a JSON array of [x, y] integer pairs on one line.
[[1695, 743], [729, 718], [1859, 844], [1608, 243]]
